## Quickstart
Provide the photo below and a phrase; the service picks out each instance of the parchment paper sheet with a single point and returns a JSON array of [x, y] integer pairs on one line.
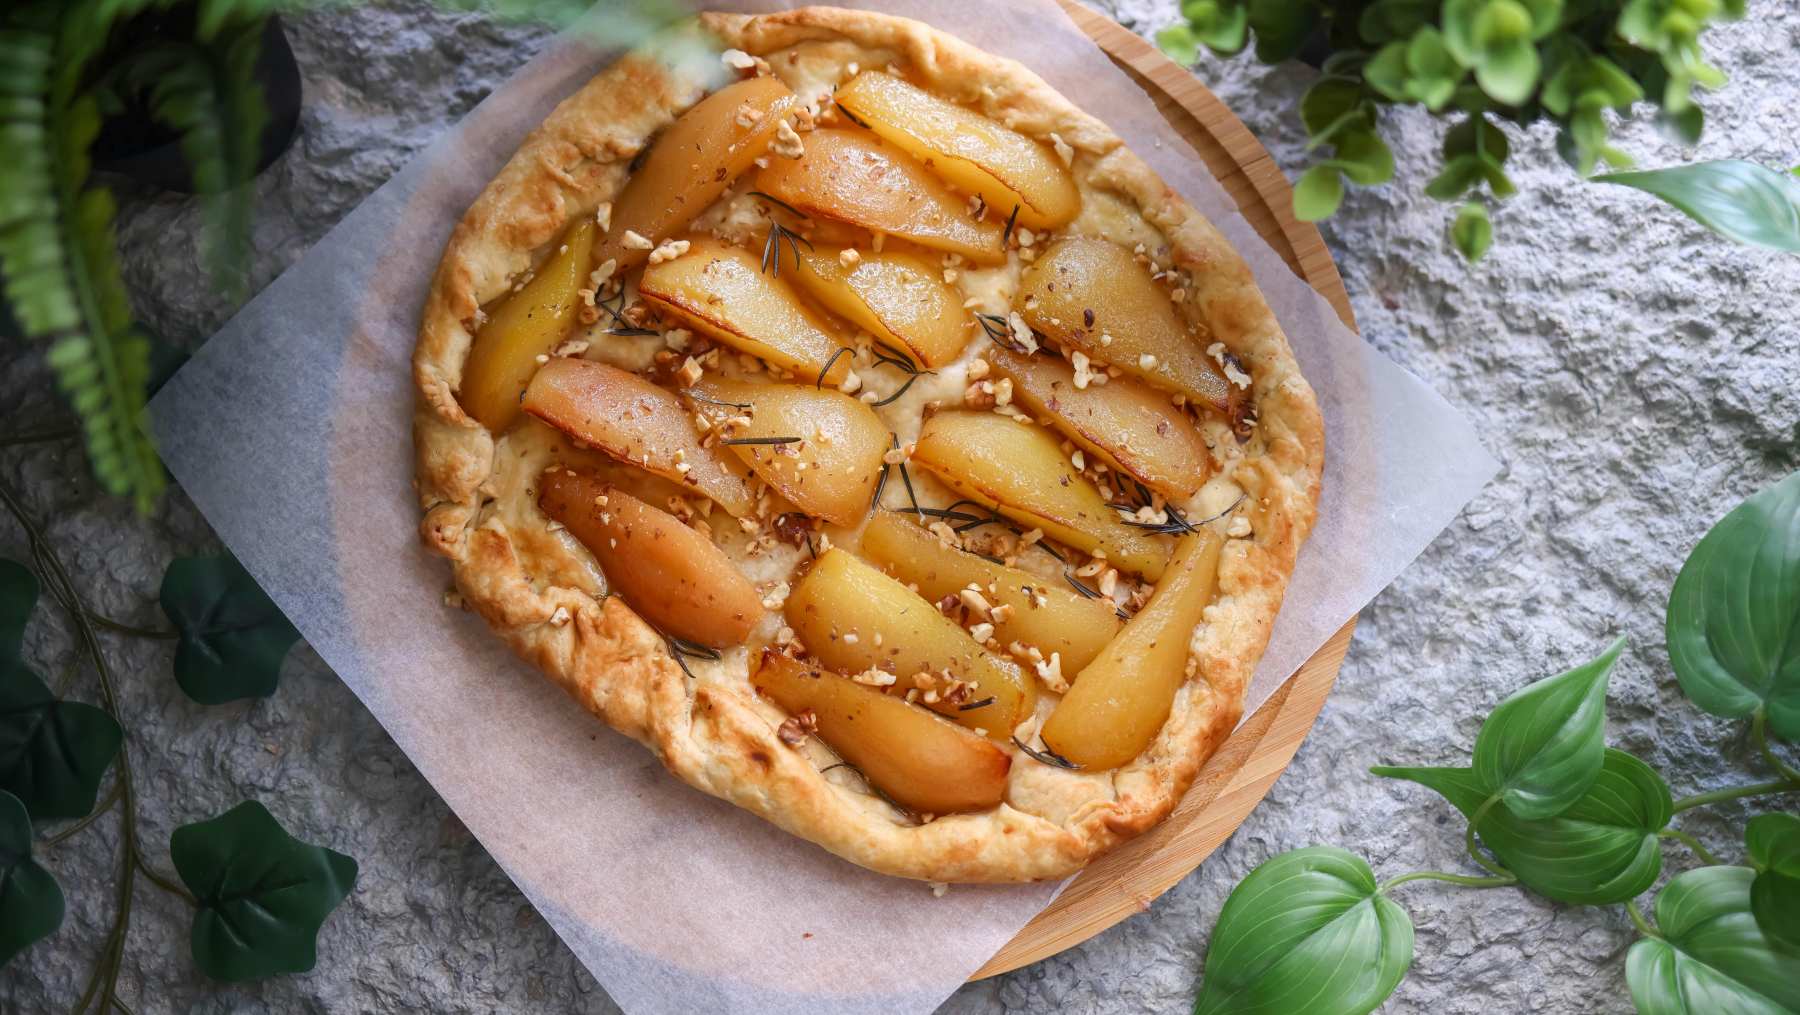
[[290, 429]]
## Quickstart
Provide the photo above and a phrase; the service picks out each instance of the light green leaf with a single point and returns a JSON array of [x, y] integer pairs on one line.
[[1709, 956], [1386, 71], [31, 902], [1509, 73], [1472, 232], [1773, 841], [1542, 747], [1179, 43], [1318, 193], [1306, 932], [1364, 157], [1739, 200], [233, 637], [1458, 175]]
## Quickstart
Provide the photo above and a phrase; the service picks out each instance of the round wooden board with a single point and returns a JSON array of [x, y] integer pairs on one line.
[[1130, 878]]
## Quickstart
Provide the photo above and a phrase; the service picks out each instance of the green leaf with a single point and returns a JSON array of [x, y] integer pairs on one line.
[[1477, 135], [1318, 193], [1386, 71], [52, 753], [18, 594], [263, 894], [233, 637], [1509, 73], [1472, 232], [1387, 20], [1363, 157], [1773, 841], [1709, 956], [1734, 614], [1331, 103], [1179, 43], [1307, 931], [1282, 27], [31, 902], [1542, 747], [1739, 200], [1458, 175]]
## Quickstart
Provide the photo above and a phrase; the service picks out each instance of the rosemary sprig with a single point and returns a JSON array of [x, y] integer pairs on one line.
[[1087, 591], [778, 202], [1045, 756], [906, 477], [843, 350], [910, 381], [698, 397], [771, 255], [852, 117], [973, 705], [999, 331], [1006, 236], [632, 332], [761, 440], [887, 355], [880, 482], [938, 513]]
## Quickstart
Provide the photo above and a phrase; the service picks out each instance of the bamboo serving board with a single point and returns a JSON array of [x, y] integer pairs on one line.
[[1129, 879]]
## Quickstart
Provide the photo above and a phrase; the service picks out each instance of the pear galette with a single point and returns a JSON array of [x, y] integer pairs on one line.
[[839, 411]]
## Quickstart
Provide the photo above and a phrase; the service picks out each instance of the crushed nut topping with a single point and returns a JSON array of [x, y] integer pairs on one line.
[[737, 59], [787, 143], [603, 216], [848, 257], [668, 250], [797, 727], [1063, 149], [633, 240]]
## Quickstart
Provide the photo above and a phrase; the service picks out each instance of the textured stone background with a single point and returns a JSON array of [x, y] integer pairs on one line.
[[1636, 375]]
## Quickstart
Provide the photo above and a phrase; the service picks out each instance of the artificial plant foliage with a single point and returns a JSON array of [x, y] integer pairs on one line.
[[31, 902], [262, 894], [1542, 747], [18, 596], [1733, 620], [1707, 955], [1747, 202], [233, 637], [1773, 842]]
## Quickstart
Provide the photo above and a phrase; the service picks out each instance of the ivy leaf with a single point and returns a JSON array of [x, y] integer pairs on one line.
[[1318, 193], [1542, 747], [18, 595], [1603, 849], [1739, 200], [1709, 955], [1282, 27], [1774, 846], [262, 893], [1734, 614], [1472, 232], [1307, 931], [31, 902], [233, 638], [52, 753]]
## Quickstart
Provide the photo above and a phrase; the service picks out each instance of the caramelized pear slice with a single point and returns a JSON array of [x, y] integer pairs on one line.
[[832, 469], [1132, 427], [920, 761], [855, 619], [674, 577], [899, 297], [1018, 469], [636, 422], [1082, 288], [723, 292], [525, 325], [1043, 612], [692, 162], [851, 176], [969, 150], [1116, 705]]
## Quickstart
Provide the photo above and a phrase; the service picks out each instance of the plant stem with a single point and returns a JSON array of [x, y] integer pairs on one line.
[[1637, 917], [1735, 793], [100, 809], [1692, 844], [41, 436], [1464, 880], [1759, 732], [132, 629], [166, 883]]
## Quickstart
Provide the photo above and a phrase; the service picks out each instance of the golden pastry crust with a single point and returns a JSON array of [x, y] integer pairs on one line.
[[717, 735]]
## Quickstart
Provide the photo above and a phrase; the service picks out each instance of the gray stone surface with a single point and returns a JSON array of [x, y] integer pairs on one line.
[[1636, 376]]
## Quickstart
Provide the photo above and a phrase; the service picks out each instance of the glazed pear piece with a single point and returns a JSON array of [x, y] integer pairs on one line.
[[853, 618], [920, 761], [636, 422], [672, 576], [1093, 295], [1018, 469], [1044, 613], [524, 325], [723, 291], [898, 296], [1118, 703], [691, 163], [831, 471], [852, 176], [1132, 427], [972, 152]]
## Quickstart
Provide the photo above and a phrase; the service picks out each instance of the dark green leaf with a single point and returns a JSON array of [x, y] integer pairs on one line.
[[1542, 747], [232, 636], [1709, 956], [1461, 786], [31, 902], [1282, 27], [263, 893], [1306, 932], [1363, 157], [1740, 201], [1477, 135], [18, 594], [1387, 20], [1327, 105], [1472, 232], [1734, 615], [1774, 845], [52, 753], [1318, 193], [1458, 175]]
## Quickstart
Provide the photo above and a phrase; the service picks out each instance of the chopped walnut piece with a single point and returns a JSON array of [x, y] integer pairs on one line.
[[1063, 150], [1239, 527], [737, 59], [635, 240], [796, 728], [689, 374], [848, 257], [1050, 672], [787, 143]]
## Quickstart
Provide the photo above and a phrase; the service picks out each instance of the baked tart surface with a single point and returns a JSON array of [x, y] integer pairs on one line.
[[843, 414]]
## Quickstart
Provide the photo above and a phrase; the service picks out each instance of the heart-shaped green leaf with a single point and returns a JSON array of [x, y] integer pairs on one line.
[[31, 902], [1542, 747], [1318, 193], [1307, 931], [52, 753], [1734, 615], [1472, 231], [1603, 849], [1364, 157], [1510, 72], [1740, 201], [1709, 955], [233, 638], [18, 594], [1331, 105], [263, 893], [1282, 27], [1774, 845]]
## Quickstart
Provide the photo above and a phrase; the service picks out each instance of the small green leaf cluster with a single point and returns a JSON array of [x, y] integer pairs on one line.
[[1486, 62], [1549, 807], [259, 895]]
